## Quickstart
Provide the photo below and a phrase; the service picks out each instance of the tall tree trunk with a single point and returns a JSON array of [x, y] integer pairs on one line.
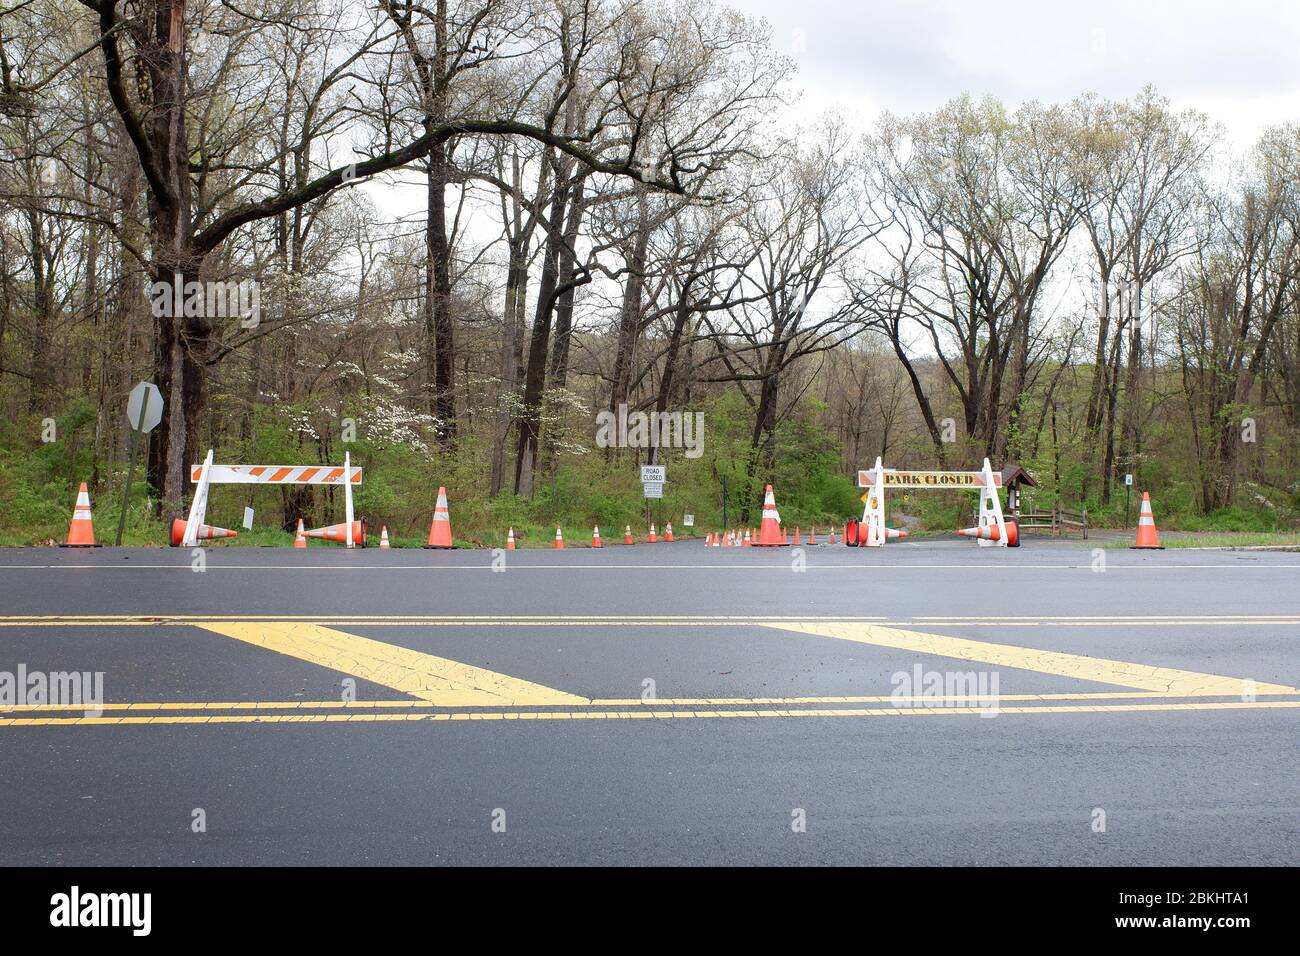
[[1112, 410], [440, 349], [564, 304], [629, 325], [1130, 439], [539, 346], [180, 353], [508, 373], [40, 397]]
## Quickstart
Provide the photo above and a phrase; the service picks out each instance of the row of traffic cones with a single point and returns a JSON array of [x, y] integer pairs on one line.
[[768, 535], [595, 536], [748, 537], [81, 532]]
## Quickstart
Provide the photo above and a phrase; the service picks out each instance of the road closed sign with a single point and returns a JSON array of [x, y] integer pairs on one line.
[[651, 473]]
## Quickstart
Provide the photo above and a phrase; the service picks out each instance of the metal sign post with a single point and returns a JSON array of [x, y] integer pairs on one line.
[[143, 413], [1128, 487]]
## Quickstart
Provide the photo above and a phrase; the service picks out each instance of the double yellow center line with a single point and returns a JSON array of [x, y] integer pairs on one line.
[[465, 692]]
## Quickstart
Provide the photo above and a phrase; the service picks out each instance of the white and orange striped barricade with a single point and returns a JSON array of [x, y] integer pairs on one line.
[[207, 474], [873, 532]]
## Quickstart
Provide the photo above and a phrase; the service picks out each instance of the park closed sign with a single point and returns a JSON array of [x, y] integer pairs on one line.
[[929, 479]]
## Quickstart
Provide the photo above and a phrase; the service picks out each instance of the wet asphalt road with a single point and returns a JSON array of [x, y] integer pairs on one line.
[[733, 769]]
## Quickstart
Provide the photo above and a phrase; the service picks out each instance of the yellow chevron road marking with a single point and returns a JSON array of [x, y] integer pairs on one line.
[[1163, 680], [437, 680]]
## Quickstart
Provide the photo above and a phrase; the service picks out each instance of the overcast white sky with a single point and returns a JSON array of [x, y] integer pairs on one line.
[[1237, 60]]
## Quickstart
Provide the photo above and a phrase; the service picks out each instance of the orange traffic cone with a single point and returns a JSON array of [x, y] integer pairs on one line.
[[595, 537], [81, 532], [1146, 530], [812, 535], [339, 533], [769, 535], [383, 537], [668, 531], [440, 529], [796, 535], [559, 539], [988, 533], [206, 532], [510, 540], [300, 538], [653, 538], [627, 535], [748, 543]]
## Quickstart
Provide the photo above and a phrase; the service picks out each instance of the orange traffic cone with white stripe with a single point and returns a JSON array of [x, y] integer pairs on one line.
[[440, 528], [81, 532], [595, 537], [300, 537], [339, 533], [559, 539], [627, 535], [653, 538], [891, 533], [748, 543], [812, 535], [1146, 530], [206, 532], [988, 533], [769, 533], [510, 540], [383, 537], [668, 531]]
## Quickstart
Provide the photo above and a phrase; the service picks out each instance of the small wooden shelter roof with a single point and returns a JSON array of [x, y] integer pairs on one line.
[[1014, 475]]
